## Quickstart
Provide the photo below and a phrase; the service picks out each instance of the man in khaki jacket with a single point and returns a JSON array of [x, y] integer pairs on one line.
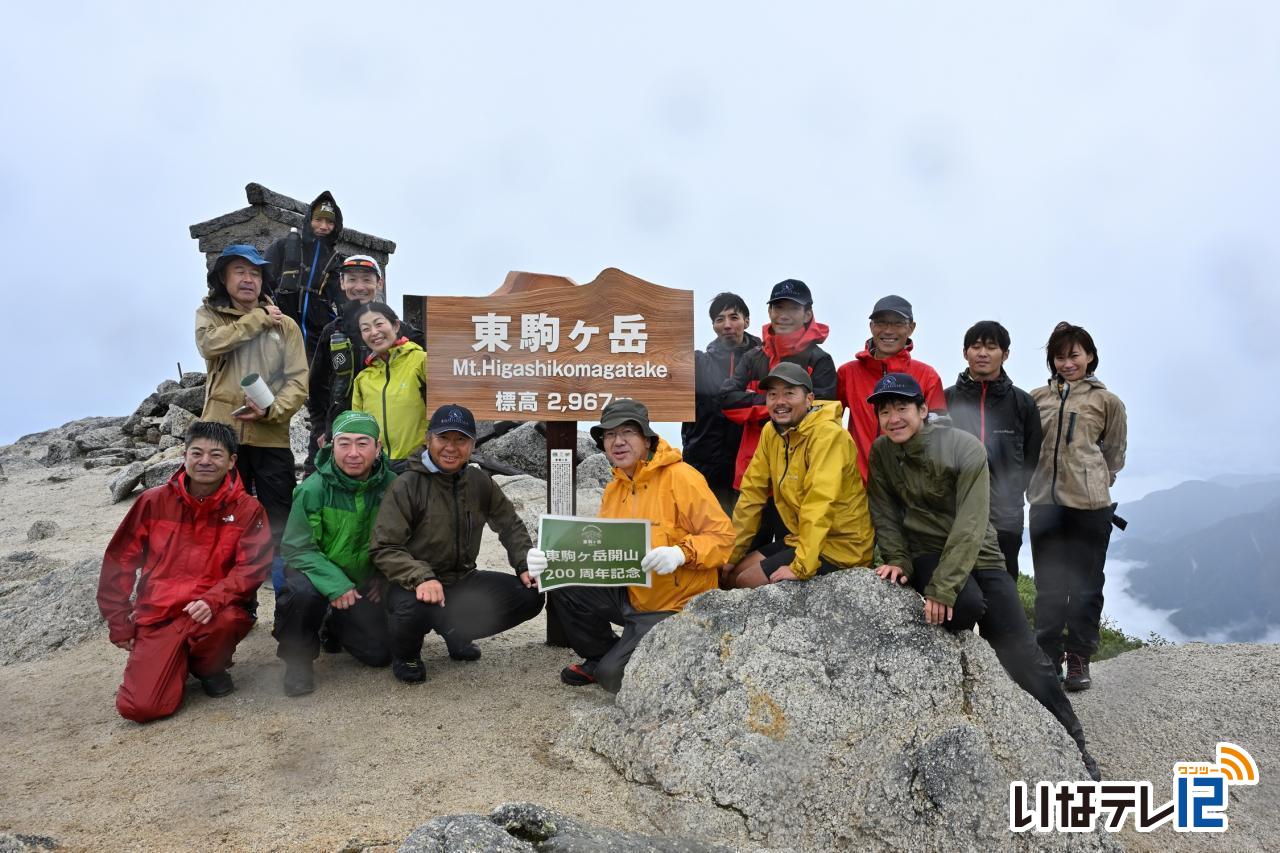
[[239, 331]]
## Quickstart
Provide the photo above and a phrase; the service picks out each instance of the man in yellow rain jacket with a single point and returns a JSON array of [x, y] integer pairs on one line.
[[690, 537], [808, 462]]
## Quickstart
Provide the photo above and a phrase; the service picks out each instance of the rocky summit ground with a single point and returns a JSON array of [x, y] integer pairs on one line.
[[363, 761]]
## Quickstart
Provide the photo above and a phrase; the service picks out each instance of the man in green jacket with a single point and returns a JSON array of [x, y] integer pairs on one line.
[[326, 553], [426, 541], [930, 494]]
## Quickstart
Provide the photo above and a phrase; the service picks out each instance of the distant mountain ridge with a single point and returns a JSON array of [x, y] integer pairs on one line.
[[1209, 550]]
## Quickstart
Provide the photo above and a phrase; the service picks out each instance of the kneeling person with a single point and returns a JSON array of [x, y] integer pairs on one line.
[[426, 541], [198, 547], [326, 555], [930, 495], [808, 463], [690, 537]]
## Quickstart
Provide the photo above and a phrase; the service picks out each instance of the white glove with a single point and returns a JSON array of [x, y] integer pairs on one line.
[[663, 560], [536, 561]]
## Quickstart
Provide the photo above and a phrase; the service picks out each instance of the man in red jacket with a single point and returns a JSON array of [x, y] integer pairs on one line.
[[888, 351], [202, 546]]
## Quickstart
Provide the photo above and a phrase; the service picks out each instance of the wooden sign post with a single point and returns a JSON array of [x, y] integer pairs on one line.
[[544, 348]]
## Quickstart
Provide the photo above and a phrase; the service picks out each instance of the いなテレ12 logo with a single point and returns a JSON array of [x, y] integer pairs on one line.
[[1201, 795]]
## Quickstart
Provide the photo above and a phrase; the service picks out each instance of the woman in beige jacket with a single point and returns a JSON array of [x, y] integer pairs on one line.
[[1085, 434]]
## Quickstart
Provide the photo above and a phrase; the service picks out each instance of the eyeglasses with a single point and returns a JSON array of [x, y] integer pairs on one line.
[[624, 433]]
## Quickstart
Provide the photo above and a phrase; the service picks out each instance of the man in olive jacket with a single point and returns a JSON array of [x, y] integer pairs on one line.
[[426, 540], [930, 494]]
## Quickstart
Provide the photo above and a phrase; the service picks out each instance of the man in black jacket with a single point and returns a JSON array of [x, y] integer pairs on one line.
[[333, 369], [985, 403], [302, 274], [711, 440]]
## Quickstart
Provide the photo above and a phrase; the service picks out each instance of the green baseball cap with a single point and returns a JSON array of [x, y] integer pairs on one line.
[[357, 423]]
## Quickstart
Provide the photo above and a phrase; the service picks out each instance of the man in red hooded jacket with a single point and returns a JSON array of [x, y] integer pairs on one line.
[[791, 335], [198, 547], [888, 351]]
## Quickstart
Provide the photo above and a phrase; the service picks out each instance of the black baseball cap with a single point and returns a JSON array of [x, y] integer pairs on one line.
[[793, 289], [453, 418], [791, 374], [893, 305], [900, 385]]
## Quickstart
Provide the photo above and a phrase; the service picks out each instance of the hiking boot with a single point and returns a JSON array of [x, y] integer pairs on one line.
[[409, 671], [579, 674], [466, 651], [1077, 673], [1090, 766], [218, 684], [299, 678]]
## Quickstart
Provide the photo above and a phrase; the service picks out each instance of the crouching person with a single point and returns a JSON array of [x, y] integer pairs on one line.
[[808, 463], [326, 555], [690, 536], [930, 495], [198, 547], [426, 541]]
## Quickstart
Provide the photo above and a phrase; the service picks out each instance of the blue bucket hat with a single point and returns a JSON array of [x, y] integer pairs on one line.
[[235, 250]]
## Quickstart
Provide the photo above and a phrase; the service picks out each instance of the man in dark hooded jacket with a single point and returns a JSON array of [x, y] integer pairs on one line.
[[985, 403], [302, 273], [711, 440]]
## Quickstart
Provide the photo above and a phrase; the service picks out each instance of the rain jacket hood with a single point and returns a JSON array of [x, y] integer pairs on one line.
[[681, 511], [332, 238], [810, 471]]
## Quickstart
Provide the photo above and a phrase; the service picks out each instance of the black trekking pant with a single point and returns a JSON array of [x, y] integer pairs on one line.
[[588, 614], [300, 609], [1069, 553], [480, 605], [989, 599], [1010, 545], [267, 474]]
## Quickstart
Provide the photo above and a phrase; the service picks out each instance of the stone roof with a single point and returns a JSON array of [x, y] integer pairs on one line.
[[288, 212]]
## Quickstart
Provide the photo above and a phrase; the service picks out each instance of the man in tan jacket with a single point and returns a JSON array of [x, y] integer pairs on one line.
[[239, 331]]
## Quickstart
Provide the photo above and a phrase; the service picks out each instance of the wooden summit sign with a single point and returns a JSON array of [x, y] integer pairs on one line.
[[544, 349]]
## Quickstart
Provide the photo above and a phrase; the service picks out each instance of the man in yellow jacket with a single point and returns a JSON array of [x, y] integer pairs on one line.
[[690, 537], [808, 463]]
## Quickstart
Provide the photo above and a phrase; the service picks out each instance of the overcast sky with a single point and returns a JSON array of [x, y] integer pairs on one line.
[[1114, 165]]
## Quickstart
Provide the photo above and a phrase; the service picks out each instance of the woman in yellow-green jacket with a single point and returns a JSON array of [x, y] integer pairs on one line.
[[393, 383]]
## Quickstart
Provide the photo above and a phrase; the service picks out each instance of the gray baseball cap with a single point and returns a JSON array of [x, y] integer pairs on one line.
[[791, 374]]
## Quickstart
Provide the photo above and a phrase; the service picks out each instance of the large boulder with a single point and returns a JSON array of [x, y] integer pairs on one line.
[[176, 420], [54, 610], [527, 828], [827, 715], [595, 471], [529, 497]]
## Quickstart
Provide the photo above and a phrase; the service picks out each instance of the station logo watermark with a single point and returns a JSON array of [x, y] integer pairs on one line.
[[1201, 794]]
